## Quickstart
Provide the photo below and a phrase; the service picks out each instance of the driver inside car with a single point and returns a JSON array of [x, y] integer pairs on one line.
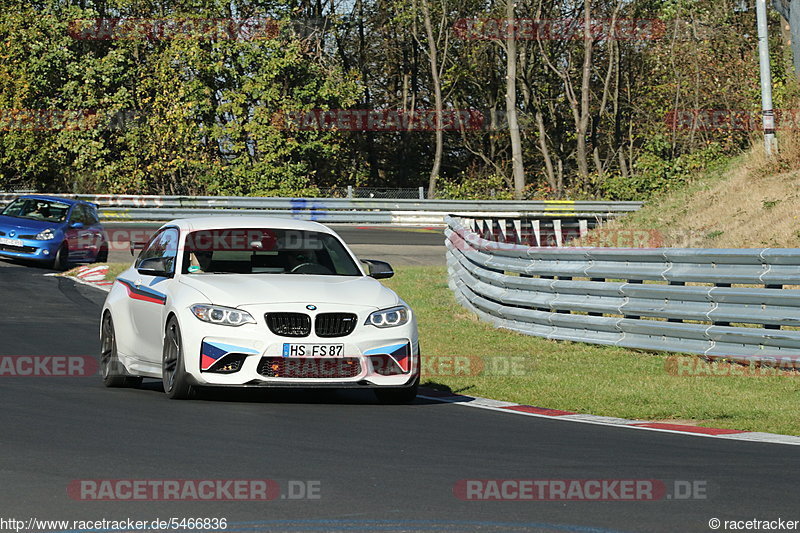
[[199, 262], [42, 210], [296, 259]]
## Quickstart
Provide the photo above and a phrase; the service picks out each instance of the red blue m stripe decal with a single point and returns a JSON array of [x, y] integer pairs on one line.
[[143, 293]]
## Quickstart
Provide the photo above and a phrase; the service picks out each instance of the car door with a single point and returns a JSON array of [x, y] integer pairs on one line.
[[78, 233], [148, 295], [93, 235]]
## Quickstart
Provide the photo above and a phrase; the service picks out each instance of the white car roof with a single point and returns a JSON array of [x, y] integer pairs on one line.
[[246, 221]]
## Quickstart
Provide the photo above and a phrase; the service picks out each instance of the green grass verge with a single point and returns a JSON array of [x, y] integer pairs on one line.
[[586, 378], [577, 377]]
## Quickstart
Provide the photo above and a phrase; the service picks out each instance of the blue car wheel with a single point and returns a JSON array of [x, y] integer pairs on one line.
[[61, 259]]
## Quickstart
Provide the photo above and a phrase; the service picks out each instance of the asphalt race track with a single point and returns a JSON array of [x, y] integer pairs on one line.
[[376, 468]]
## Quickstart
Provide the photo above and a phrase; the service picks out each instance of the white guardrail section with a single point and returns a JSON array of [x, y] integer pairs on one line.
[[341, 210], [664, 299]]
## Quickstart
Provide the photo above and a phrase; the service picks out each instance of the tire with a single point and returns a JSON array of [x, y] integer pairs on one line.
[[61, 259], [102, 255], [173, 371], [110, 367], [396, 396]]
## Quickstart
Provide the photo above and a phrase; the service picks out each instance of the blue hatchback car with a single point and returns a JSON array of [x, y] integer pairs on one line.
[[54, 231]]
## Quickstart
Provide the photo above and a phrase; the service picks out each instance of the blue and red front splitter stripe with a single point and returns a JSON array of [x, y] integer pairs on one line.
[[399, 352], [211, 352]]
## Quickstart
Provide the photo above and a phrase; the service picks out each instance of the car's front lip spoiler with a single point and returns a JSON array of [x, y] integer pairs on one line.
[[269, 384]]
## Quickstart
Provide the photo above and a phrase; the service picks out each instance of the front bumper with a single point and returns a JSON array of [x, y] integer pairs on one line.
[[247, 356], [31, 250]]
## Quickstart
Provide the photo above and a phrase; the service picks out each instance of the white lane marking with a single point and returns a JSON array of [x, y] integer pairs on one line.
[[748, 436]]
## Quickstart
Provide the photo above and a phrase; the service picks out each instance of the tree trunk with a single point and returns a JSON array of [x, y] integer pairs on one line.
[[582, 153], [511, 108], [437, 92], [548, 161]]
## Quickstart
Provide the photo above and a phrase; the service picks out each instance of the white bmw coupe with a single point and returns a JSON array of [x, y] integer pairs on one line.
[[257, 302]]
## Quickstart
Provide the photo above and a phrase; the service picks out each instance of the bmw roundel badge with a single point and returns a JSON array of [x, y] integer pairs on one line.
[[311, 307]]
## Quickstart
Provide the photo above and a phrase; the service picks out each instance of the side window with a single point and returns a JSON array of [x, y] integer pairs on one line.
[[342, 262], [78, 215], [163, 244], [90, 214]]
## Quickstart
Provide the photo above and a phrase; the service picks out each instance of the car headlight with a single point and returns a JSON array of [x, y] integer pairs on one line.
[[389, 318], [46, 235], [223, 316]]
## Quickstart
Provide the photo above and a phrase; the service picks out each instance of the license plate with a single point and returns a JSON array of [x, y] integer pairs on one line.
[[313, 350], [10, 242]]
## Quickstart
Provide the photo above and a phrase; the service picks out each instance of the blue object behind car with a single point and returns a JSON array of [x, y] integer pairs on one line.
[[55, 231]]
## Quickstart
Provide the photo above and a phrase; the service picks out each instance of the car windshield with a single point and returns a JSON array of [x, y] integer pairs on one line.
[[37, 209], [266, 251]]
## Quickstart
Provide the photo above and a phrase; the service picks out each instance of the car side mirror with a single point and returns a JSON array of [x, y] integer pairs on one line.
[[154, 266], [378, 269], [137, 245], [76, 225]]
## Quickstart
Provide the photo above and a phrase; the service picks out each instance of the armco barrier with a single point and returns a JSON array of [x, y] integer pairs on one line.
[[342, 210], [663, 299]]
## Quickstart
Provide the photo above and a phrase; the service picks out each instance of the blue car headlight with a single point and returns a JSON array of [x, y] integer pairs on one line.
[[46, 235], [389, 318]]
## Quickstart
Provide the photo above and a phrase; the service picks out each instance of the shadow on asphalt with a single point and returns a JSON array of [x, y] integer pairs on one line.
[[29, 263], [277, 396]]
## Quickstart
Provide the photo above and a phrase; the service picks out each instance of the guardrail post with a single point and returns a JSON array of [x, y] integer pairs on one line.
[[724, 286], [557, 231], [518, 230], [350, 191], [677, 284], [583, 227], [772, 326], [633, 282], [537, 232], [421, 193], [598, 280]]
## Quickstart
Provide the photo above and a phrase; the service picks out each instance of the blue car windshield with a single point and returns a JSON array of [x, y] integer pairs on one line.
[[37, 209]]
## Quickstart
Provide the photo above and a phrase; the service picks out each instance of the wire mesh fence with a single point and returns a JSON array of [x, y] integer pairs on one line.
[[394, 193]]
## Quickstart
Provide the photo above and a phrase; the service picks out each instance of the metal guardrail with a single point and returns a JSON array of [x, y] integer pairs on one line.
[[635, 298], [342, 210]]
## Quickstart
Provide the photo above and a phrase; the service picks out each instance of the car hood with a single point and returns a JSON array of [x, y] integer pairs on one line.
[[235, 290], [28, 225]]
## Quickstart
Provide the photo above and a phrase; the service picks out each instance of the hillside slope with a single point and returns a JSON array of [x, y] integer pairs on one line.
[[749, 203]]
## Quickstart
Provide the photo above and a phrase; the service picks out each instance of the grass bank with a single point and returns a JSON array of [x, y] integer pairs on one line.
[[752, 202]]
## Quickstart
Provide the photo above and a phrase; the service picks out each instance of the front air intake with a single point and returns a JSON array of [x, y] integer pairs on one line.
[[309, 367]]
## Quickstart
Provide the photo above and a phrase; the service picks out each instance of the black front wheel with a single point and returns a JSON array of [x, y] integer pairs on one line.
[[61, 260], [102, 255], [114, 374], [173, 371]]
